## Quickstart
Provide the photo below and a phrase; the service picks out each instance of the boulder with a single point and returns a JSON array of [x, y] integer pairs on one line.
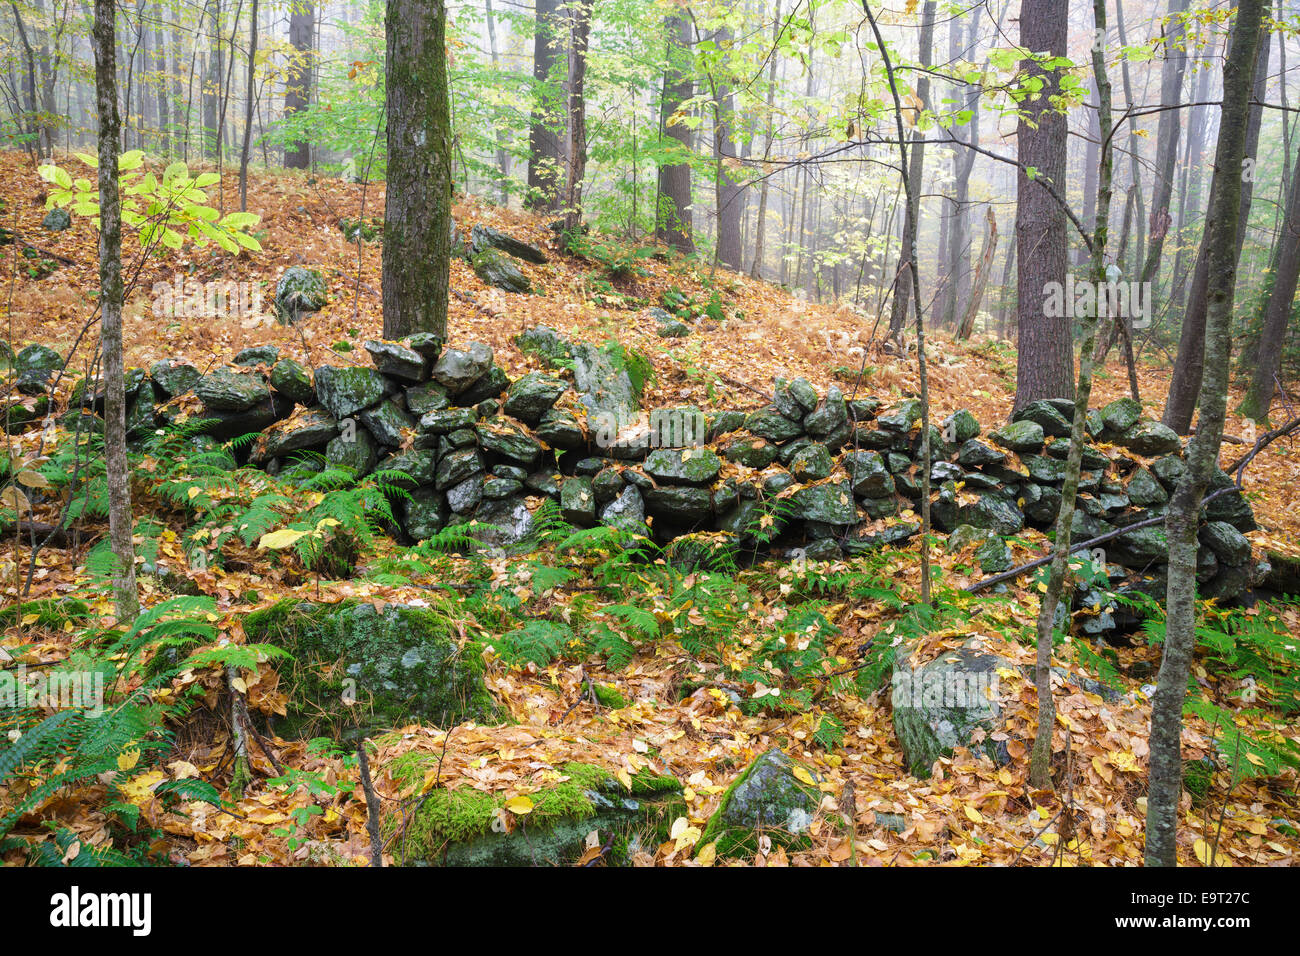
[[346, 391], [458, 369], [226, 390], [774, 796], [299, 291], [495, 268]]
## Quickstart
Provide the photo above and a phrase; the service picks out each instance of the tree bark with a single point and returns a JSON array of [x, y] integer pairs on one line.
[[1189, 366], [1167, 133], [117, 470], [297, 94], [248, 110], [1045, 360], [673, 212], [417, 210], [916, 169], [728, 191], [1223, 222], [579, 34], [1277, 310], [545, 156]]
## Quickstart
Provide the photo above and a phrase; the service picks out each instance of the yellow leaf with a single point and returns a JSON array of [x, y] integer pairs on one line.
[[624, 778], [973, 815], [1202, 850], [707, 854], [237, 684], [128, 759], [519, 805], [802, 774], [280, 539]]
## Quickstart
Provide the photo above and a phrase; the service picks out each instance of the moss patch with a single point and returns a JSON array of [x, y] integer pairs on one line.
[[400, 664], [454, 827]]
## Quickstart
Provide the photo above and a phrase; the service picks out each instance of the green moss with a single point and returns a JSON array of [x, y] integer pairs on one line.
[[50, 612], [397, 665], [608, 695], [766, 805], [456, 825]]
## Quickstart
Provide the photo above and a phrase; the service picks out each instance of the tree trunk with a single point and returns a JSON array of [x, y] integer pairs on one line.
[[967, 324], [728, 192], [760, 231], [297, 93], [1277, 310], [916, 169], [248, 110], [417, 211], [545, 157], [1167, 133], [579, 34], [673, 212], [1040, 758], [1045, 361], [1223, 222], [498, 132], [117, 470], [1189, 367], [163, 91]]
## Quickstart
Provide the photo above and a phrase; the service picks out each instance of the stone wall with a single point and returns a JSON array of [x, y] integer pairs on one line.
[[821, 475]]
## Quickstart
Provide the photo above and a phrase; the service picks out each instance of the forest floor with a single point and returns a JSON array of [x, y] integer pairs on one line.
[[969, 811]]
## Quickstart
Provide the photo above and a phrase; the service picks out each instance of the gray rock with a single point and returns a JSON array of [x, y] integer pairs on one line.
[[768, 798], [626, 512], [258, 355], [356, 451], [679, 504], [458, 369], [56, 220], [830, 503], [685, 466], [1046, 414], [498, 269], [225, 390], [1152, 438], [314, 429], [299, 291], [485, 237], [345, 391], [416, 465], [464, 497], [424, 513], [172, 377], [292, 380], [398, 361], [501, 437], [456, 466], [578, 502], [388, 423], [1019, 436], [532, 396], [1229, 545]]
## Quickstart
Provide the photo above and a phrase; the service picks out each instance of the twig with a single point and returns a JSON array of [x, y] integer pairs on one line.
[[372, 807]]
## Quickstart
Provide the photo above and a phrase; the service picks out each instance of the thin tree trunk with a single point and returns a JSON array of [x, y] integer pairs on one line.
[[579, 34], [544, 151], [673, 210], [248, 110], [967, 324], [298, 87], [117, 469]]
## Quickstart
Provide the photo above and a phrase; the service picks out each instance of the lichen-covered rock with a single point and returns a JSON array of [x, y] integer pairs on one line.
[[868, 475], [769, 423], [812, 462], [544, 342], [226, 390], [456, 466], [400, 664], [398, 361], [501, 437], [578, 502], [314, 429], [1046, 414], [750, 452], [1138, 548], [679, 504], [424, 513], [490, 385], [172, 377], [356, 450], [429, 397], [1229, 545], [1144, 490], [485, 237], [224, 426], [293, 380], [1121, 415], [388, 423], [774, 796], [532, 396], [458, 369], [626, 512], [498, 269], [299, 291], [829, 416], [345, 391], [561, 429], [946, 703], [257, 355], [56, 220], [685, 466], [416, 465], [830, 503], [501, 522], [1019, 436], [902, 419], [461, 827], [1152, 438]]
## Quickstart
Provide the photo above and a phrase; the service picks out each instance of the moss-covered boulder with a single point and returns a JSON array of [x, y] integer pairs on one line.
[[358, 667], [299, 291], [946, 703], [293, 380], [467, 827], [774, 796], [496, 268], [1019, 436], [226, 390], [345, 391]]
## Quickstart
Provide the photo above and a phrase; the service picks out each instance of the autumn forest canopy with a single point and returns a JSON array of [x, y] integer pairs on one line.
[[631, 433]]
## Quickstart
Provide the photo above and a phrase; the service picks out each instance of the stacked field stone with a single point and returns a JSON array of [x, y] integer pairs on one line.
[[819, 473]]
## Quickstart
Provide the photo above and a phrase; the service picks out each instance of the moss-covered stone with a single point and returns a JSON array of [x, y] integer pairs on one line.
[[773, 796], [299, 291], [460, 827], [400, 664]]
